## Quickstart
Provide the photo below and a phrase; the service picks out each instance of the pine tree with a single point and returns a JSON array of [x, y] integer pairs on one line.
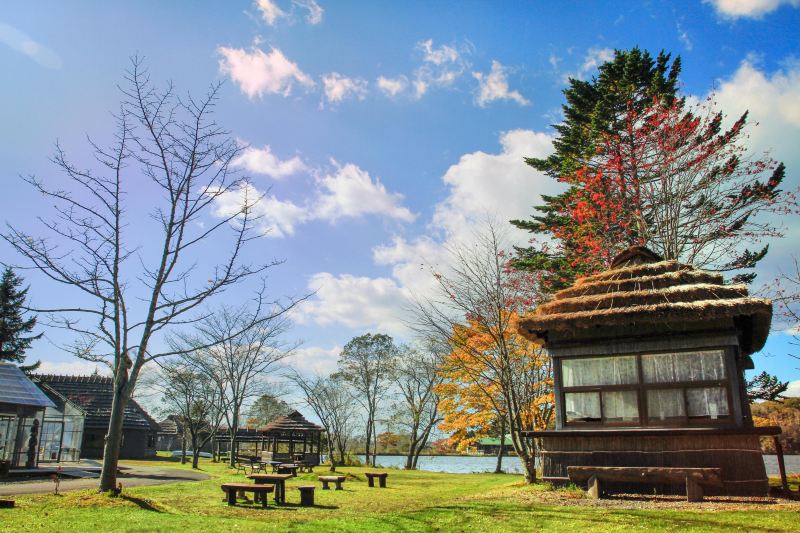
[[645, 167], [593, 109], [13, 324]]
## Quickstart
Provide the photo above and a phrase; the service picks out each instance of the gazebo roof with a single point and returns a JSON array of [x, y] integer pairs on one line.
[[294, 422], [642, 289]]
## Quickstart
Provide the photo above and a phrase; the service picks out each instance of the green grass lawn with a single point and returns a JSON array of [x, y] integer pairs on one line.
[[413, 501]]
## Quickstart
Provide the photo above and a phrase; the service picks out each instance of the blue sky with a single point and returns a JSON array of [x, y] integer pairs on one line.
[[380, 131]]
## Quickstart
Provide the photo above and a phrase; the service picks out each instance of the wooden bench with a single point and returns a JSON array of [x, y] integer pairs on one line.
[[279, 480], [305, 467], [694, 478], [381, 478], [258, 490], [336, 479], [306, 495]]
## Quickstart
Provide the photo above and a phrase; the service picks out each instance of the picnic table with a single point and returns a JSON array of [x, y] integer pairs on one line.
[[279, 480], [288, 468]]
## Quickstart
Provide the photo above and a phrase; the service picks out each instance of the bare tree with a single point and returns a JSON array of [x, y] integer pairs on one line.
[[416, 375], [332, 403], [193, 399], [786, 293], [474, 314], [128, 294], [366, 364], [236, 350]]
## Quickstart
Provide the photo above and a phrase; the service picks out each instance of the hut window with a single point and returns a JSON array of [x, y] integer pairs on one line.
[[684, 366], [708, 402], [620, 406], [599, 371], [664, 405], [583, 406]]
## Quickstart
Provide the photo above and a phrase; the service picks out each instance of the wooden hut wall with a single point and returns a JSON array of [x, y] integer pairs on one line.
[[738, 455]]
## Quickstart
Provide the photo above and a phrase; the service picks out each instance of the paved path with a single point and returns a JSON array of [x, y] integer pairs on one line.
[[135, 476]]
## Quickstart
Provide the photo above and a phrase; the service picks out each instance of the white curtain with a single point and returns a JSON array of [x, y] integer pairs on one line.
[[616, 370], [711, 402], [684, 366], [582, 406], [663, 404], [620, 406]]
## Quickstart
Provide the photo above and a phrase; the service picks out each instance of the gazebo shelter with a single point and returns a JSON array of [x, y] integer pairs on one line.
[[648, 362], [289, 438]]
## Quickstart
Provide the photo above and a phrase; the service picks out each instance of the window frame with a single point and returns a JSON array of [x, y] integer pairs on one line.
[[641, 388]]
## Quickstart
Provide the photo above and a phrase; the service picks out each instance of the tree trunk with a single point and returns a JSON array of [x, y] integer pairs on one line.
[[332, 453], [183, 448], [498, 469], [411, 454], [113, 440], [233, 430], [214, 447], [195, 452]]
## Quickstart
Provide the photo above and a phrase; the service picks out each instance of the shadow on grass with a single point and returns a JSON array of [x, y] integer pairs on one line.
[[567, 515], [142, 503]]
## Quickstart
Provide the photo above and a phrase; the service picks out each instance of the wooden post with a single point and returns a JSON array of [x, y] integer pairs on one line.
[[781, 465], [694, 491], [594, 488]]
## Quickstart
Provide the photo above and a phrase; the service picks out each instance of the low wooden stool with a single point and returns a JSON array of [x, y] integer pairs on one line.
[[381, 478], [336, 479], [306, 495]]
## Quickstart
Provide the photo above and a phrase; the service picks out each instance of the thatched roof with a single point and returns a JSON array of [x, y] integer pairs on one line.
[[641, 289], [294, 422]]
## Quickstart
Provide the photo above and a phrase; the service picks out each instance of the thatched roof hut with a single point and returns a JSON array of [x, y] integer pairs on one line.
[[640, 289], [648, 371], [294, 422]]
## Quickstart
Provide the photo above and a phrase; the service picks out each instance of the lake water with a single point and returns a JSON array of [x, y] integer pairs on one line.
[[465, 465]]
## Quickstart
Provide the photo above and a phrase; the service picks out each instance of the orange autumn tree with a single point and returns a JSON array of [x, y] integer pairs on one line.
[[490, 372]]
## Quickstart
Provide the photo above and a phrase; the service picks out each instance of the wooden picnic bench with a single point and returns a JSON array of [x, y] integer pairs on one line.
[[279, 480], [381, 478], [305, 467], [231, 489], [694, 478], [241, 464], [336, 479], [288, 468]]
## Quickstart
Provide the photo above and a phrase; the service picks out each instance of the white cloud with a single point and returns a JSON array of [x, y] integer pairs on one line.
[[479, 184], [277, 218], [357, 302], [263, 161], [683, 36], [495, 184], [749, 8], [438, 56], [72, 368], [794, 389], [314, 360], [392, 86], [593, 59], [494, 86], [773, 101], [351, 192], [339, 88], [257, 73], [441, 66], [270, 11], [314, 15], [24, 44]]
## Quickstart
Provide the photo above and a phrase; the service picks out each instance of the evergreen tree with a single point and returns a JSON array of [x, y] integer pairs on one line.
[[645, 167], [13, 324], [592, 110]]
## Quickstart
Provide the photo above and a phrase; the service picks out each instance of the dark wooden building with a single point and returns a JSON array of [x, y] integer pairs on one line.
[[289, 438], [649, 360], [93, 394]]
